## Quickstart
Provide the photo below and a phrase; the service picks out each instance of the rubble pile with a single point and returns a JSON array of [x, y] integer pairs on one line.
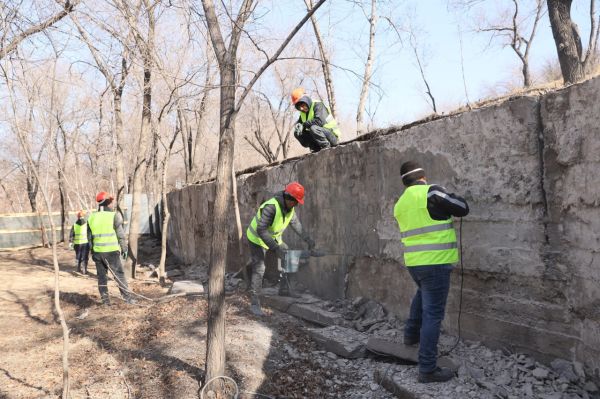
[[481, 372]]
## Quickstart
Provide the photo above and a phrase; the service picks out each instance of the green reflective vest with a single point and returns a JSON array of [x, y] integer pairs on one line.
[[426, 241], [104, 236], [276, 229], [80, 234], [330, 123]]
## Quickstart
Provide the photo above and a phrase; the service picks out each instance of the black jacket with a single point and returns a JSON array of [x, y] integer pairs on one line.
[[442, 204]]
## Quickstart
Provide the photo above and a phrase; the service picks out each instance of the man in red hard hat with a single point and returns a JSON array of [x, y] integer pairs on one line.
[[78, 240], [316, 127], [107, 239], [264, 234]]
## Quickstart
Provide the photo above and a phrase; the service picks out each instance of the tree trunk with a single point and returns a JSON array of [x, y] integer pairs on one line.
[[63, 210], [563, 29], [364, 92], [120, 192], [166, 216], [324, 64], [139, 173], [215, 354]]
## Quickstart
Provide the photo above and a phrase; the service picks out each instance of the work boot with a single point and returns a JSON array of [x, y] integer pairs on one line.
[[130, 301], [440, 374], [105, 300], [85, 269], [410, 341], [255, 307]]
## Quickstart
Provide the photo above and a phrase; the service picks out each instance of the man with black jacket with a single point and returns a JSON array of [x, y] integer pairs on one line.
[[109, 245], [264, 234], [316, 127], [424, 214]]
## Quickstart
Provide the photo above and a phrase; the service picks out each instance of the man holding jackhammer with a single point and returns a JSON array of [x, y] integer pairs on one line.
[[264, 234], [424, 214], [107, 238], [78, 240]]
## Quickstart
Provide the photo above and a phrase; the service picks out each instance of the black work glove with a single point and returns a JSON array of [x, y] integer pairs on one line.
[[310, 123]]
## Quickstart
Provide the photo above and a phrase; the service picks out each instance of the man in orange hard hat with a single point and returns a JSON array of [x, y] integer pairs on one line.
[[264, 234], [107, 238], [78, 240], [316, 127]]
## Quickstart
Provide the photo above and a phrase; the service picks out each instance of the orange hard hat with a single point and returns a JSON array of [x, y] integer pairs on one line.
[[295, 190], [81, 213], [297, 94], [103, 196]]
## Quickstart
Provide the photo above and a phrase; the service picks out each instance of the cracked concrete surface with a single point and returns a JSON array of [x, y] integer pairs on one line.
[[529, 169]]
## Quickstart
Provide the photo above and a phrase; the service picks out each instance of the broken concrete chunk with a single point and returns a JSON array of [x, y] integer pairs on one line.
[[564, 369], [315, 314], [393, 384], [540, 373], [188, 287], [388, 346], [342, 341], [174, 273]]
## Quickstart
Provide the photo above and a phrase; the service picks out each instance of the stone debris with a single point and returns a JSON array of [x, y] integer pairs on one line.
[[186, 287], [315, 314], [482, 373], [344, 342]]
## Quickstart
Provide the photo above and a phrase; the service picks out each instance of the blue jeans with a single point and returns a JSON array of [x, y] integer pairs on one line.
[[427, 311]]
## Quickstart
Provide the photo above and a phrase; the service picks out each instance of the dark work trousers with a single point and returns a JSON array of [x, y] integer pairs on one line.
[[82, 253], [317, 138], [427, 311], [257, 264], [106, 261]]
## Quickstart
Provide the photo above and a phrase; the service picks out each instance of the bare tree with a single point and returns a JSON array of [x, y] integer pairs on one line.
[[145, 44], [364, 91], [573, 63], [229, 108], [14, 31], [325, 63], [116, 81], [411, 36], [35, 171]]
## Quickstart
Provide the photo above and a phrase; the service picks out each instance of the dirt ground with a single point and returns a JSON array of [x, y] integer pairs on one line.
[[154, 350]]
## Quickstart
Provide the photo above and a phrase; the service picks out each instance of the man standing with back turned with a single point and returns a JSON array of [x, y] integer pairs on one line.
[[424, 214], [106, 235]]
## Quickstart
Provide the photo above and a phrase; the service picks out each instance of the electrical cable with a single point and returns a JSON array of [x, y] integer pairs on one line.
[[462, 275]]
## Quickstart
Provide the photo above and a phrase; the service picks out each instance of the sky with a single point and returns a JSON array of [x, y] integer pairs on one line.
[[400, 96]]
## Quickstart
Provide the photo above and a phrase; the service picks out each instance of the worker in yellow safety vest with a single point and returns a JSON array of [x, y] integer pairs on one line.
[[78, 241], [109, 246], [424, 214], [265, 233], [316, 127]]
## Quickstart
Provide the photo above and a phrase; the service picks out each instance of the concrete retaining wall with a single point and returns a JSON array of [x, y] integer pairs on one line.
[[529, 169]]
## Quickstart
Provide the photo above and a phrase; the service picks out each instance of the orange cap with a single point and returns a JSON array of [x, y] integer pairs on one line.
[[81, 213], [297, 94]]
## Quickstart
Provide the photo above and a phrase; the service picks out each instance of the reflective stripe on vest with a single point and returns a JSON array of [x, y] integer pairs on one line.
[[330, 122], [276, 229], [80, 234], [103, 232], [426, 241]]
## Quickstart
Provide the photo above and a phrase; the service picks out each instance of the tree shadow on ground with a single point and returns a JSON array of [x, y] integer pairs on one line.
[[20, 381], [26, 309]]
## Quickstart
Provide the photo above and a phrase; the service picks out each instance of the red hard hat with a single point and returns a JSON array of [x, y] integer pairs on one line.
[[297, 95], [81, 213], [296, 190], [103, 196]]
